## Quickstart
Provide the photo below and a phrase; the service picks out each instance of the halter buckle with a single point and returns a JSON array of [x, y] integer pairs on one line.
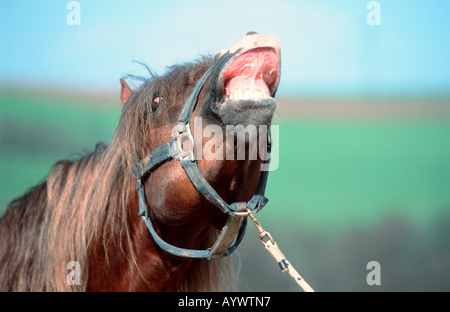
[[184, 136]]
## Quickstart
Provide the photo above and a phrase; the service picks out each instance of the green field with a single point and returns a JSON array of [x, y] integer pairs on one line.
[[337, 179], [37, 130], [350, 173]]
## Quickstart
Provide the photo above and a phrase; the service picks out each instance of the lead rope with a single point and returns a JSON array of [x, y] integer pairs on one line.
[[272, 247]]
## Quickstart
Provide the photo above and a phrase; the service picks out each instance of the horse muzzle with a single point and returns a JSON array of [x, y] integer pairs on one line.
[[245, 80]]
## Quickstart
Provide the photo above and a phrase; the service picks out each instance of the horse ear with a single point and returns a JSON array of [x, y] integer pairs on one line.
[[126, 91]]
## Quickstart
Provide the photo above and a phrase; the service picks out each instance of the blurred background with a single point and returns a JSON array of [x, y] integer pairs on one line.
[[364, 120]]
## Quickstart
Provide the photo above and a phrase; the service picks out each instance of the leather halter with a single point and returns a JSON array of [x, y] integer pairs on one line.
[[233, 231]]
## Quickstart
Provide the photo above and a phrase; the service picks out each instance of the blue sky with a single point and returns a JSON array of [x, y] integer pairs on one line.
[[327, 46]]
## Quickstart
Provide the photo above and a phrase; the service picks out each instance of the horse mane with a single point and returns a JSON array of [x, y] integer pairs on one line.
[[83, 203]]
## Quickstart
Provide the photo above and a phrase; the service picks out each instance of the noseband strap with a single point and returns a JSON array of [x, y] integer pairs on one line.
[[234, 229]]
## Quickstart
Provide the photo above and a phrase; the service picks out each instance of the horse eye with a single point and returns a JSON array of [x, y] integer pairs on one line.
[[156, 101]]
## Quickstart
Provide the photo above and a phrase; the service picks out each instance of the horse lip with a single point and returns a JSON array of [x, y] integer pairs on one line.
[[247, 112], [241, 106]]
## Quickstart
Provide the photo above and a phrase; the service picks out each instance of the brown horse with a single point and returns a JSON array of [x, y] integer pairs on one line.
[[84, 220]]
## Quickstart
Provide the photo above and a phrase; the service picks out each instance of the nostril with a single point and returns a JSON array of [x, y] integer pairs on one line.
[[251, 33]]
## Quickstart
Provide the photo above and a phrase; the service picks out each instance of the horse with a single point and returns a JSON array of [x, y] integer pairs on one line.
[[125, 218]]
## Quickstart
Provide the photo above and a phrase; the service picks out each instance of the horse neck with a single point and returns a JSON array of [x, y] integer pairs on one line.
[[154, 269], [121, 249]]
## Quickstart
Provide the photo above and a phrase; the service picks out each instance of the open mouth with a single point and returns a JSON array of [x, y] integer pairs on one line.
[[246, 80], [253, 75]]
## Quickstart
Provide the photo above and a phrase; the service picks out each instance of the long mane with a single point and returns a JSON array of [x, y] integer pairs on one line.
[[81, 209]]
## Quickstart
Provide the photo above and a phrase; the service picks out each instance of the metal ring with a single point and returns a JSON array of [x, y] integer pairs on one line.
[[239, 213], [263, 234], [184, 131]]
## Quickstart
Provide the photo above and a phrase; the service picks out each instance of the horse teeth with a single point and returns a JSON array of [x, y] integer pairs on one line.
[[237, 94], [247, 93]]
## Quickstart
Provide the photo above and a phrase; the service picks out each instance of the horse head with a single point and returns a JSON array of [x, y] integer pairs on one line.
[[239, 91], [214, 99]]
